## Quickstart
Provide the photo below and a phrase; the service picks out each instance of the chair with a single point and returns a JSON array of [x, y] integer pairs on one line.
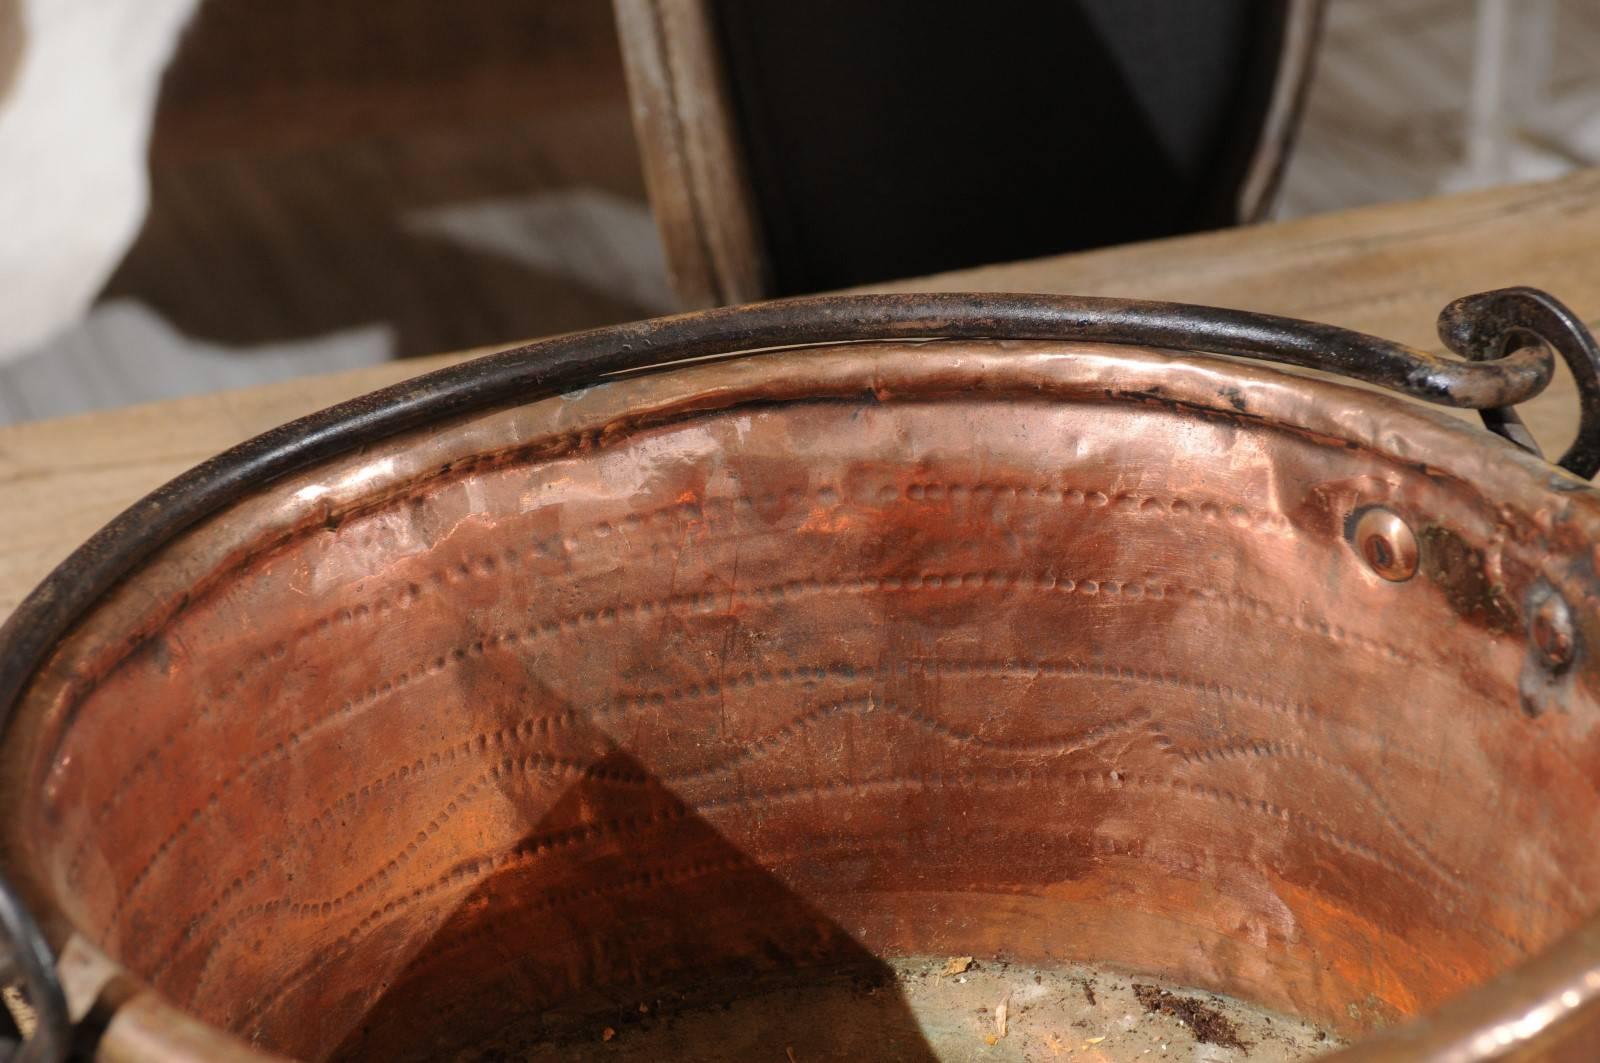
[[797, 147]]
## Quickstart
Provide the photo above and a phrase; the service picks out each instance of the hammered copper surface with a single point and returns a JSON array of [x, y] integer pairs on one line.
[[1045, 651]]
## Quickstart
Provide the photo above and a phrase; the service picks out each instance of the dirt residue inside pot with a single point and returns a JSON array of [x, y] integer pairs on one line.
[[923, 1010]]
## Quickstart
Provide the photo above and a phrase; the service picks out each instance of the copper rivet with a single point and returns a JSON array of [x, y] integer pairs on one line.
[[1387, 544], [1551, 629]]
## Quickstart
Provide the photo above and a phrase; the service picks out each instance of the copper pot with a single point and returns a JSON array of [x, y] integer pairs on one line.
[[1027, 630]]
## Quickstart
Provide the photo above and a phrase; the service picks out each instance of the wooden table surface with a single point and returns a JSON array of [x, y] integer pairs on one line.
[[1385, 270]]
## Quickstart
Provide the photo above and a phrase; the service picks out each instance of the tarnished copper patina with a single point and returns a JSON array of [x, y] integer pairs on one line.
[[507, 695]]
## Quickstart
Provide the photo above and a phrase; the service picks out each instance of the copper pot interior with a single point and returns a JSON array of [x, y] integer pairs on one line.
[[779, 667]]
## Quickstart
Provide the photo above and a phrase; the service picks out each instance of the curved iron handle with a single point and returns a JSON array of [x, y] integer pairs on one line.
[[1491, 325], [27, 960]]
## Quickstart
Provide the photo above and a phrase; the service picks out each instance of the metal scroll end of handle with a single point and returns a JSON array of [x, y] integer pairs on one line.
[[1491, 325], [34, 1027]]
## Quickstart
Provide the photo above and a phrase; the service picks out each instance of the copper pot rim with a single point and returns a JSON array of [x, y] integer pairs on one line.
[[1559, 980], [1404, 435]]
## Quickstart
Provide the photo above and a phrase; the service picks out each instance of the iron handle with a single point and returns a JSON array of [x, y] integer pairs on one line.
[[26, 960], [1490, 325]]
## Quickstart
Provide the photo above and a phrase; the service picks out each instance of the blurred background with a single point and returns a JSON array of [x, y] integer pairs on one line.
[[335, 185]]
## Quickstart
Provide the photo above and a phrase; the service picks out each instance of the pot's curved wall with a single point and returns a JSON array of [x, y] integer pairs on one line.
[[1060, 653]]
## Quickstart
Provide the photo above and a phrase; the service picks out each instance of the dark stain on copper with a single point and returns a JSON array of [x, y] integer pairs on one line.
[[1460, 570]]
